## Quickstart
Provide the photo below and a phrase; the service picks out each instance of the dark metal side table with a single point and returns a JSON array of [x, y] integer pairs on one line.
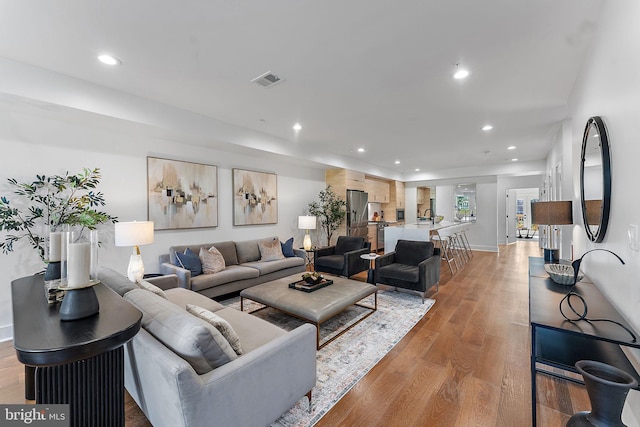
[[80, 362], [558, 343]]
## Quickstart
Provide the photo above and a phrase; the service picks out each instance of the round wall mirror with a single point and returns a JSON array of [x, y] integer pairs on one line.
[[595, 179]]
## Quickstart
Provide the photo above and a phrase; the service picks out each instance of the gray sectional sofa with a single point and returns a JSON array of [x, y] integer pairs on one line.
[[243, 267], [182, 372]]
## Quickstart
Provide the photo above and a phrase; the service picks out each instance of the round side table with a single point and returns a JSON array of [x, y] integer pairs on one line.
[[372, 263]]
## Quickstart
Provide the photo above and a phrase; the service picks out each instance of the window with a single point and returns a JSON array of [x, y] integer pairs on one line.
[[465, 202]]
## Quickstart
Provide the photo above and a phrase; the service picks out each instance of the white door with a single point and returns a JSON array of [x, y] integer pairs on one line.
[[511, 215]]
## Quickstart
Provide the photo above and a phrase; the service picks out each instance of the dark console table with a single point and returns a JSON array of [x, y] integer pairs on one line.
[[558, 343], [80, 362]]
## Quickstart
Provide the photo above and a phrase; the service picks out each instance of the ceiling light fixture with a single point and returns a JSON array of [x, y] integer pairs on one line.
[[397, 162], [360, 150], [511, 147], [487, 128], [460, 73], [417, 169], [514, 160], [109, 59], [297, 127]]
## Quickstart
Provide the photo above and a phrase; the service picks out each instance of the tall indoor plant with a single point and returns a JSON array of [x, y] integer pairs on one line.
[[48, 203], [330, 211]]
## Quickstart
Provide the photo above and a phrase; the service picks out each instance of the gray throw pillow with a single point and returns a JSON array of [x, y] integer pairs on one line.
[[193, 339], [220, 324], [212, 260]]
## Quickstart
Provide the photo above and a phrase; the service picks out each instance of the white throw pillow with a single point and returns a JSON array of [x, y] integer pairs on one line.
[[220, 324], [212, 260], [270, 250]]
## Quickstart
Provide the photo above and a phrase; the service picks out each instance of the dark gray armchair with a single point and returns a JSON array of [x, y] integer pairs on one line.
[[343, 259], [413, 265]]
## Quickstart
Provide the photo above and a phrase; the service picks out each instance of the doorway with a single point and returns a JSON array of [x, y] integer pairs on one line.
[[518, 222]]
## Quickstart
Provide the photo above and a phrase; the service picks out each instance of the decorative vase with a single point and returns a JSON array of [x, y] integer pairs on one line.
[[607, 387]]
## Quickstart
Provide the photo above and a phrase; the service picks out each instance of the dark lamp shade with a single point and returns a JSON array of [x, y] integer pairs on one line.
[[552, 213]]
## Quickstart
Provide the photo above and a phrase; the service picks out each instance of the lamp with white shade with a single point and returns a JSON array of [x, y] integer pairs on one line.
[[307, 222], [134, 233]]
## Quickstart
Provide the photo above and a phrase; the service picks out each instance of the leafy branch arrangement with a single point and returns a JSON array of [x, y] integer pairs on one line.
[[331, 211], [51, 201]]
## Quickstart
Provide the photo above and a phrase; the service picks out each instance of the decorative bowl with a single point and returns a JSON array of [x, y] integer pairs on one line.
[[438, 218], [562, 274], [312, 279]]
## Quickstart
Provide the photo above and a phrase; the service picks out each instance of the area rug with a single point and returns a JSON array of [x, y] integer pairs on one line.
[[343, 362]]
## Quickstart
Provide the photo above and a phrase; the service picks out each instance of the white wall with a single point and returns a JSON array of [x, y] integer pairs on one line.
[[37, 145], [610, 87]]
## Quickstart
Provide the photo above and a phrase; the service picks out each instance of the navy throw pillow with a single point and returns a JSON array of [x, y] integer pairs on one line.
[[189, 261], [287, 248]]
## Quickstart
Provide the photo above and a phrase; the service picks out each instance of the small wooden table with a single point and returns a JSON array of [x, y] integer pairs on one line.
[[79, 362]]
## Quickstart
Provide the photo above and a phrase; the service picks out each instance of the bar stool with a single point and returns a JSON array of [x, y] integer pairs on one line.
[[443, 237], [465, 240], [456, 244]]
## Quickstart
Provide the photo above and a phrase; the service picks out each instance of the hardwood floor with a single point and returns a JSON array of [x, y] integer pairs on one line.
[[466, 363]]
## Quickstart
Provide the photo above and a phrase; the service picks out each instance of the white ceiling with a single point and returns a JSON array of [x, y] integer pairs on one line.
[[358, 73]]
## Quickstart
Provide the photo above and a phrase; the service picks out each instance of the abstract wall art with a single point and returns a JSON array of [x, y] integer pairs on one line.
[[255, 197], [181, 194]]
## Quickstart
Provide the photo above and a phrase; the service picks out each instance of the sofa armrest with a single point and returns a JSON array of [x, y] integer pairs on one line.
[[286, 367], [386, 259], [184, 275], [168, 281], [324, 251], [430, 270], [354, 263]]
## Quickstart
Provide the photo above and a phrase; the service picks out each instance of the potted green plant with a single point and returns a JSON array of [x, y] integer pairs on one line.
[[48, 203], [330, 211]]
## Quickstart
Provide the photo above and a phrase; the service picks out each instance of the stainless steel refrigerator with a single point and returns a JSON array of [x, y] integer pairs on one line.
[[357, 220]]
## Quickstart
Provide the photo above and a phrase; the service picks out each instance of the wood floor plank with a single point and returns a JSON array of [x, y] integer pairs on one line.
[[466, 363]]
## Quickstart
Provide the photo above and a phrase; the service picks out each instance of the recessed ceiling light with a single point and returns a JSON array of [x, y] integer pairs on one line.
[[417, 169], [514, 160], [487, 128], [511, 147], [297, 127], [360, 150], [109, 59], [397, 162], [460, 72]]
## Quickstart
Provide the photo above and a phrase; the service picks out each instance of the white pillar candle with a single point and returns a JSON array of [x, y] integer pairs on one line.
[[78, 264], [55, 246]]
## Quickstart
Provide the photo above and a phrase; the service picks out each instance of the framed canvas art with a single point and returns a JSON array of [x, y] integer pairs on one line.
[[255, 197], [181, 194]]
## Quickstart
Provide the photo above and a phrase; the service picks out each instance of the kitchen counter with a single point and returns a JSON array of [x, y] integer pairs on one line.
[[420, 231]]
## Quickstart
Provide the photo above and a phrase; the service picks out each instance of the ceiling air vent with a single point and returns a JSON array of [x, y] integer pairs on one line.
[[267, 79]]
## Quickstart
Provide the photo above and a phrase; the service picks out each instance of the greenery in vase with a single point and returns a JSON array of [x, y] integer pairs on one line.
[[50, 202], [330, 210]]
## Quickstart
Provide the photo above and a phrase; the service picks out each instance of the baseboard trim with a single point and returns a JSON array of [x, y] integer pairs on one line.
[[483, 248], [6, 332]]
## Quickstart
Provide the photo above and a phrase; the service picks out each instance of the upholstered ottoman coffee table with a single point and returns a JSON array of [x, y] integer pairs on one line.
[[315, 307]]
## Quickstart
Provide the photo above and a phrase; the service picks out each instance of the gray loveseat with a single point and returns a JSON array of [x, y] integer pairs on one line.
[[243, 267], [175, 385]]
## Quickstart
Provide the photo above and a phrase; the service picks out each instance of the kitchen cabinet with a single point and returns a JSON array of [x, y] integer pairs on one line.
[[371, 235], [398, 196], [378, 190]]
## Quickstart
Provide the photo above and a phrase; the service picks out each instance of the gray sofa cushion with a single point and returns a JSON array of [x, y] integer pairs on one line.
[[228, 251], [266, 267], [331, 261], [248, 250], [407, 273], [197, 342], [116, 281], [181, 297], [220, 324], [253, 331], [229, 274]]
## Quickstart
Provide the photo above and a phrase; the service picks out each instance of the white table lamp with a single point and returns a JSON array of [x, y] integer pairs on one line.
[[134, 234], [306, 222]]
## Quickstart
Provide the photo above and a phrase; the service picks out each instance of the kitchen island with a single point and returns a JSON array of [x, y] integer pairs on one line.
[[420, 231]]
